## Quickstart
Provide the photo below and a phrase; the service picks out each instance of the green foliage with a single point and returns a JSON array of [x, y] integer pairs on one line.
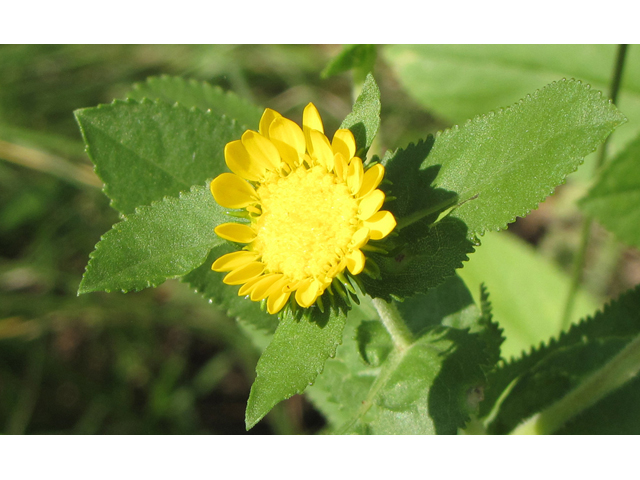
[[527, 291], [416, 354], [503, 164], [431, 387], [364, 120], [293, 359], [191, 93], [563, 363], [483, 170], [210, 285], [418, 262], [458, 82], [152, 244], [146, 151], [615, 197], [359, 58]]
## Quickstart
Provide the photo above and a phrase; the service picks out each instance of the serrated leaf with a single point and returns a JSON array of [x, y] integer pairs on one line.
[[210, 285], [161, 241], [352, 57], [501, 165], [450, 304], [614, 200], [203, 95], [419, 260], [294, 358], [552, 378], [350, 391], [146, 151], [427, 389], [364, 119], [619, 320]]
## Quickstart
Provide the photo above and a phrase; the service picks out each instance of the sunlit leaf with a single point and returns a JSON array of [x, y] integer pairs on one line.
[[294, 358], [193, 93], [161, 241], [146, 151]]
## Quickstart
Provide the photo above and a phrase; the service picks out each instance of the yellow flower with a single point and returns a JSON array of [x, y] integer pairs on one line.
[[312, 208]]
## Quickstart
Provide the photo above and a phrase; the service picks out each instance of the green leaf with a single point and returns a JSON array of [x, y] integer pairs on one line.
[[203, 95], [364, 120], [501, 165], [146, 151], [352, 57], [161, 241], [294, 358], [427, 389], [562, 362], [430, 388], [614, 200], [457, 82], [374, 342], [347, 377], [210, 285], [419, 261], [528, 291]]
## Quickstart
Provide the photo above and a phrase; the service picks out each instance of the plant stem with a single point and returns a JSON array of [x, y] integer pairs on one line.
[[578, 265], [620, 369], [394, 323]]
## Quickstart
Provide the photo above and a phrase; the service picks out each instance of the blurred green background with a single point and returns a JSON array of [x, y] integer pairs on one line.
[[163, 361]]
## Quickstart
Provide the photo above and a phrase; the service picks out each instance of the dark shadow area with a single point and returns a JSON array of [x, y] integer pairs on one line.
[[422, 253], [458, 387], [449, 304]]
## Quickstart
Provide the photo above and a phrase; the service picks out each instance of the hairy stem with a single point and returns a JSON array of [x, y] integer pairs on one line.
[[394, 323], [620, 369], [578, 265]]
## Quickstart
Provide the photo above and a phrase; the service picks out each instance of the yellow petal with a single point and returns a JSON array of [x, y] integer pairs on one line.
[[340, 166], [265, 121], [231, 191], [261, 288], [311, 118], [343, 142], [261, 150], [360, 238], [381, 224], [320, 149], [245, 273], [279, 285], [355, 174], [277, 301], [236, 232], [239, 162], [248, 286], [355, 261], [370, 204], [372, 178], [308, 291], [288, 138], [233, 260]]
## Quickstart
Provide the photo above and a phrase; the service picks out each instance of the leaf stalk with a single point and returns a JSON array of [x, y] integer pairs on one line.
[[394, 323]]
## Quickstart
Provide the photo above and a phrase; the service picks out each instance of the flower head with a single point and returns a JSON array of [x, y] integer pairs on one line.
[[311, 206]]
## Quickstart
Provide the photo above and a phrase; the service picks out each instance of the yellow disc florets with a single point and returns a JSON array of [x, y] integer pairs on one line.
[[311, 205]]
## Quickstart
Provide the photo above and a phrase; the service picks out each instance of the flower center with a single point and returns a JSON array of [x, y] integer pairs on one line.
[[308, 219]]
